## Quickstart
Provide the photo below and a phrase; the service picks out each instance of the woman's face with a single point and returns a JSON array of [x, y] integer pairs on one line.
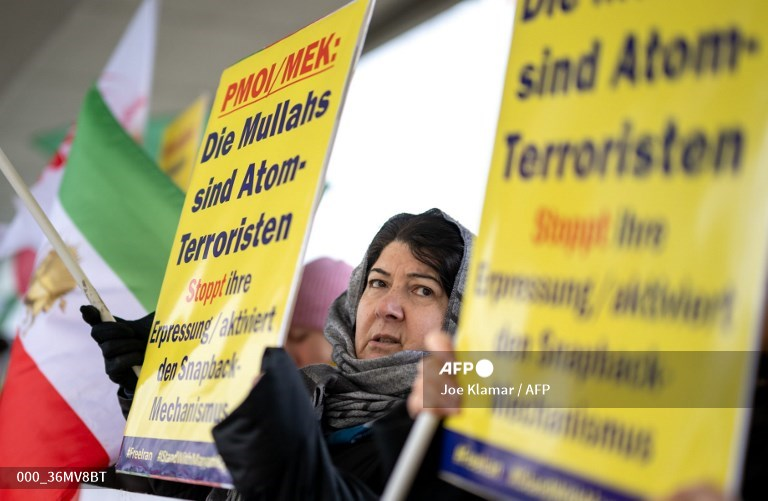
[[401, 302]]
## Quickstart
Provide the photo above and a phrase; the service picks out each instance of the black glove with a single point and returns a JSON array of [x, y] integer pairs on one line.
[[122, 344]]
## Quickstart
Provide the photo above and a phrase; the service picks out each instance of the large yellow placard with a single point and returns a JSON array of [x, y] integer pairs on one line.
[[620, 262], [234, 266]]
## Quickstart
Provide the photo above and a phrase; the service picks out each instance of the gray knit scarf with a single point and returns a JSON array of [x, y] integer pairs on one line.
[[359, 391]]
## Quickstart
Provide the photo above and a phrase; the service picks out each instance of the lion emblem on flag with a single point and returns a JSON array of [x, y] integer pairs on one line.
[[50, 282]]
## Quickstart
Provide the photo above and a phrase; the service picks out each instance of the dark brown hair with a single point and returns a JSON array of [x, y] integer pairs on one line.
[[432, 239]]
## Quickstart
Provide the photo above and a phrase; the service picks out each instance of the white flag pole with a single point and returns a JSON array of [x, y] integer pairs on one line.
[[55, 239], [53, 236], [410, 458]]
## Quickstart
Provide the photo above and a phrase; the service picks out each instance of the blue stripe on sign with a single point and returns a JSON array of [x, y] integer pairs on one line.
[[196, 462], [484, 468]]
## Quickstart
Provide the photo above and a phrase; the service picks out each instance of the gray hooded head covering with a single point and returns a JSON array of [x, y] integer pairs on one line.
[[359, 391]]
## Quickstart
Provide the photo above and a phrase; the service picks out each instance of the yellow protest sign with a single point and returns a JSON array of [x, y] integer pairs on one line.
[[616, 286], [178, 147], [233, 269]]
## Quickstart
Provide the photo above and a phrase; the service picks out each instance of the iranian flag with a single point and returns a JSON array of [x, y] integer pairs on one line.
[[125, 84], [118, 212]]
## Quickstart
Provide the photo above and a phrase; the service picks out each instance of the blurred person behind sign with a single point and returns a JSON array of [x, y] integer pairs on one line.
[[323, 280]]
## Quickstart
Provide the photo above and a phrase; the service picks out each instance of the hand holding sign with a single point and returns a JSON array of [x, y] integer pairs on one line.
[[428, 391]]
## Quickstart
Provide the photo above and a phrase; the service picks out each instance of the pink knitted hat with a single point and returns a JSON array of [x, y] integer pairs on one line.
[[324, 280]]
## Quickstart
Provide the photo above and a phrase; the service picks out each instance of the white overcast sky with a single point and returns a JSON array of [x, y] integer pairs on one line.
[[417, 128]]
